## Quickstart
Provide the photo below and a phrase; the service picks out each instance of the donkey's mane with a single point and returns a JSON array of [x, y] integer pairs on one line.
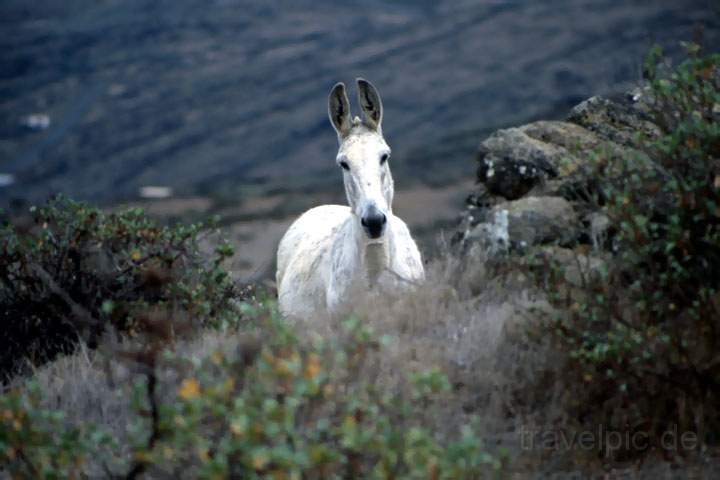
[[360, 126]]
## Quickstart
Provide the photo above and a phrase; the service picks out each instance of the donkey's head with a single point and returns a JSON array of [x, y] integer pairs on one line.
[[363, 156]]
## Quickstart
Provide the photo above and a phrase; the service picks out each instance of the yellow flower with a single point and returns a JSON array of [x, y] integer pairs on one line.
[[238, 427], [203, 454], [179, 421], [136, 255], [282, 367], [349, 422], [216, 357], [312, 367], [228, 385], [190, 388], [259, 460], [168, 453], [143, 456]]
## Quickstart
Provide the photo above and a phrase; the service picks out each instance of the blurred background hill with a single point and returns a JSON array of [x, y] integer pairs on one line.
[[224, 102], [221, 96]]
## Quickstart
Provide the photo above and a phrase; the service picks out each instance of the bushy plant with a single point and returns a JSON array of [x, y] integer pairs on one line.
[[641, 333], [36, 443], [274, 407], [79, 270], [282, 409]]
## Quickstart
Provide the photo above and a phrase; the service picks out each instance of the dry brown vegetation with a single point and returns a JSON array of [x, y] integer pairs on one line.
[[469, 320]]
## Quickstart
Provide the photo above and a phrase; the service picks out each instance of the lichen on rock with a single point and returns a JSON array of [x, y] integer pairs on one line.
[[542, 174]]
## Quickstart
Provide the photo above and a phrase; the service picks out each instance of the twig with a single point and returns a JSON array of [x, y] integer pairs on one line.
[[140, 465], [26, 460], [78, 310]]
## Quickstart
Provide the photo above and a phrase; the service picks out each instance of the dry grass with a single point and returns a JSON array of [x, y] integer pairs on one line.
[[469, 322], [463, 320], [97, 386]]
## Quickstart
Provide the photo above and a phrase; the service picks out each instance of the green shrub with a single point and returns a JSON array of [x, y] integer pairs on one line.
[[275, 407], [80, 270], [641, 335], [35, 443], [288, 410]]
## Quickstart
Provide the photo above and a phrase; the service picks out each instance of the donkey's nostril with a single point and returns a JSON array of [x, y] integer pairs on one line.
[[367, 221], [373, 223]]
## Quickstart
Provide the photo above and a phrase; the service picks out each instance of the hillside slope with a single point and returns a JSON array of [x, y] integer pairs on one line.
[[220, 96]]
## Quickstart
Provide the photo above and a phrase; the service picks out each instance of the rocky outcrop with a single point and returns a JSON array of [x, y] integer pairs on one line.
[[619, 121], [539, 220], [536, 182], [515, 160]]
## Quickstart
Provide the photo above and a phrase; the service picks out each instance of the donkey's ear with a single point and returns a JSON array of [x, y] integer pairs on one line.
[[370, 103], [339, 110]]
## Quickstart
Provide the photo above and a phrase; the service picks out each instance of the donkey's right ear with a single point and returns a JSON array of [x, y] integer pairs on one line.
[[339, 110]]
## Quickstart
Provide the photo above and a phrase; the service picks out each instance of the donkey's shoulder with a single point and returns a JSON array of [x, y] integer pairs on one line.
[[399, 227], [318, 221], [326, 213], [407, 260], [309, 236]]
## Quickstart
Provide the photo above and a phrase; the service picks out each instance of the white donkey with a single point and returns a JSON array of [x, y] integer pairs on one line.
[[333, 254]]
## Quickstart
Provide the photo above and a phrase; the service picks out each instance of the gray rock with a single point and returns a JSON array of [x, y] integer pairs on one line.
[[577, 266], [599, 224], [493, 236], [535, 170], [551, 157], [539, 220], [622, 120], [570, 143], [514, 161], [521, 224]]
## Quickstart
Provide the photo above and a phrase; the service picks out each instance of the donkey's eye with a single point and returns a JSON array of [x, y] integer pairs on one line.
[[345, 165], [384, 158]]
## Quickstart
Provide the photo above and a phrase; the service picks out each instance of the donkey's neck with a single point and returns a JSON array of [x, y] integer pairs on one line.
[[357, 265], [377, 260], [373, 257]]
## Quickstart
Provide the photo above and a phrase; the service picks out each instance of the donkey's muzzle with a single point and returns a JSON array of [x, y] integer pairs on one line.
[[373, 222]]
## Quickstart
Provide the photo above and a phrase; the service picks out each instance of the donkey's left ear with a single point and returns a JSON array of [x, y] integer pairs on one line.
[[370, 103]]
